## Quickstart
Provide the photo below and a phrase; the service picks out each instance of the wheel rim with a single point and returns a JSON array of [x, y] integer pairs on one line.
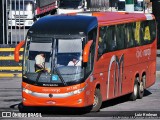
[[135, 89], [144, 79], [95, 101], [141, 87]]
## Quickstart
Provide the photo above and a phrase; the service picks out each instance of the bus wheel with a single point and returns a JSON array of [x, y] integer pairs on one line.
[[24, 109], [21, 108], [134, 94], [141, 87], [97, 101]]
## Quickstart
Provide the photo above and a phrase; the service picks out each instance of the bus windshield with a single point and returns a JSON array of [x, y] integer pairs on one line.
[[20, 5], [70, 4], [60, 63]]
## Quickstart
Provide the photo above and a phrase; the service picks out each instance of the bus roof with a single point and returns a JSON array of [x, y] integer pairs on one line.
[[109, 18], [63, 25], [83, 22]]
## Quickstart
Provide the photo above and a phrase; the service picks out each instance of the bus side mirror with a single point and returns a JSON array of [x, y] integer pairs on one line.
[[16, 51], [86, 51]]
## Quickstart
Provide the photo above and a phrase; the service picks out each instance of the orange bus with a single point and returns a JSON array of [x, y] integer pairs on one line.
[[114, 54]]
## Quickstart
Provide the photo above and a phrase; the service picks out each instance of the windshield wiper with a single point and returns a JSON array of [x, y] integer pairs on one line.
[[60, 76], [38, 76]]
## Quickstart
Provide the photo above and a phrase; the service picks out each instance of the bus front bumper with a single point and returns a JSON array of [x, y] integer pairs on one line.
[[73, 99]]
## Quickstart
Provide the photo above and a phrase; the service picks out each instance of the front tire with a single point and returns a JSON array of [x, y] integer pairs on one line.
[[25, 109], [21, 108], [97, 101]]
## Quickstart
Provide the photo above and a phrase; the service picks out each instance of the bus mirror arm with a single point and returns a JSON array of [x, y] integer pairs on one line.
[[16, 51], [86, 51]]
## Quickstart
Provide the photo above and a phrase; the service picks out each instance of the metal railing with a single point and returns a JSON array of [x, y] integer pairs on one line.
[[14, 20], [17, 17]]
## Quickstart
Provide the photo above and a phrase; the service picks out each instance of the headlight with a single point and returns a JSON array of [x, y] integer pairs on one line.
[[27, 91], [78, 91]]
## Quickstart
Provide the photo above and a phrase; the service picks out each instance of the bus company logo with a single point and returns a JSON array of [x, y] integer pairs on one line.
[[51, 90], [6, 114], [143, 53], [118, 74]]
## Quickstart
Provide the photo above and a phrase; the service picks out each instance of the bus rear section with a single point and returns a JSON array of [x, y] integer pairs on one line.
[[88, 59]]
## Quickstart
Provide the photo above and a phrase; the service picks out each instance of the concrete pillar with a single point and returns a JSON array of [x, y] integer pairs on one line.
[[129, 5], [3, 20], [1, 23]]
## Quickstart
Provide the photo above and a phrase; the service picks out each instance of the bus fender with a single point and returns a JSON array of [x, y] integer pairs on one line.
[[142, 73], [97, 85], [136, 75]]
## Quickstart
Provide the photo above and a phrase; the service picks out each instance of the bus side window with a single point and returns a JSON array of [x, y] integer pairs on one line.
[[102, 41], [149, 31], [137, 33], [108, 39], [130, 41], [145, 33], [152, 28], [120, 35], [113, 39]]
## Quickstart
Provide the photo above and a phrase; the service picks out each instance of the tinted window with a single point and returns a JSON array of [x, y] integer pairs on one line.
[[118, 37], [144, 32], [149, 32], [129, 35]]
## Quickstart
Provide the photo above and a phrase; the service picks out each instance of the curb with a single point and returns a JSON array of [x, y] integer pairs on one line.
[[9, 49], [9, 58], [19, 68], [3, 75]]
